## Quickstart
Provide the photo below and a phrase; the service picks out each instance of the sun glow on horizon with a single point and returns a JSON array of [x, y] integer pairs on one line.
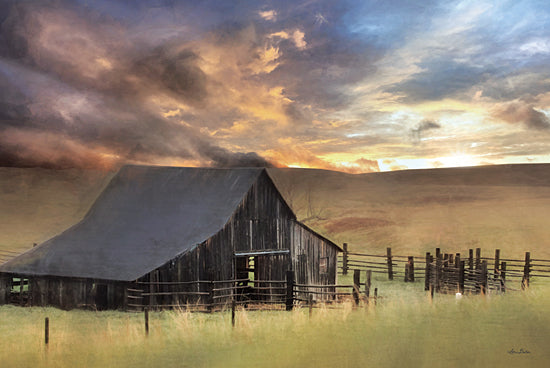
[[457, 159]]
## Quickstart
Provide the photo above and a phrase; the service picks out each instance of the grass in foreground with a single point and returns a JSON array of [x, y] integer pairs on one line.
[[403, 330]]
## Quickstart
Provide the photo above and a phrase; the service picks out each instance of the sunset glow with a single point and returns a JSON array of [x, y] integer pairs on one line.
[[351, 86]]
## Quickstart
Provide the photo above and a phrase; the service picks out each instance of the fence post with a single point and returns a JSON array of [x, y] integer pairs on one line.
[[46, 331], [310, 304], [375, 295], [497, 260], [411, 268], [356, 285], [462, 265], [478, 258], [482, 277], [427, 273], [390, 264], [438, 271], [526, 271], [233, 305], [503, 276], [367, 284], [146, 310], [210, 305], [470, 259], [345, 260], [21, 287], [289, 290]]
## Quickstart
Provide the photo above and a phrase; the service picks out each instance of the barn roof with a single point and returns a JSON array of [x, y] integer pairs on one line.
[[146, 216]]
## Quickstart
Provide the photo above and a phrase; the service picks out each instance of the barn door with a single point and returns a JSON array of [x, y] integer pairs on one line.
[[261, 269]]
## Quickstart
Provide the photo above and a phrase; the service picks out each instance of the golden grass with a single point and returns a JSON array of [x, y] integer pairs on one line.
[[403, 329]]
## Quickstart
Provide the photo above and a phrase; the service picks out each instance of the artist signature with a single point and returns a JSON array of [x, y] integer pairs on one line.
[[520, 351]]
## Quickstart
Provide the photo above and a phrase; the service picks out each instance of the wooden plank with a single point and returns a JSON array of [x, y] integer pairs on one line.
[[289, 290], [462, 265], [526, 271], [46, 331], [368, 284], [389, 262], [427, 273], [345, 259], [146, 317], [411, 268], [356, 285]]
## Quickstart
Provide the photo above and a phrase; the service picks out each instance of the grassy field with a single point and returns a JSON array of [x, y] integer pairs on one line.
[[404, 329], [504, 207]]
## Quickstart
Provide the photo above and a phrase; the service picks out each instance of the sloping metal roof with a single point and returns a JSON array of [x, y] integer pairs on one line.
[[145, 217]]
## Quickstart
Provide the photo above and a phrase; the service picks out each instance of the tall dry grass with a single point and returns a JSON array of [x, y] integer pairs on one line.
[[403, 329]]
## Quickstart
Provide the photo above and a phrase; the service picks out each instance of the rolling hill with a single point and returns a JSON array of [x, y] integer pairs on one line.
[[412, 211]]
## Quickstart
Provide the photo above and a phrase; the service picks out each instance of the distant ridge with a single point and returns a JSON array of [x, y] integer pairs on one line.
[[511, 174], [491, 175], [504, 206]]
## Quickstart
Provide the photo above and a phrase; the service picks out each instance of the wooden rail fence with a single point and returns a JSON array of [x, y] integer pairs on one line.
[[253, 294], [499, 271]]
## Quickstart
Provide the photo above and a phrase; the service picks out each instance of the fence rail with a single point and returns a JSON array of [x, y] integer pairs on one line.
[[209, 296], [407, 267]]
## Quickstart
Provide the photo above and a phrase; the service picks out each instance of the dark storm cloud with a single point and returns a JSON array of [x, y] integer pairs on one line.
[[176, 72], [221, 157], [57, 90]]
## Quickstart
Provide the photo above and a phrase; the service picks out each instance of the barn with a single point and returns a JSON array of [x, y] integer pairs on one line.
[[166, 236]]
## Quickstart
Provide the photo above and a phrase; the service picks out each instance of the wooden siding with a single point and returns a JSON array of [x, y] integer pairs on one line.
[[261, 222], [307, 252]]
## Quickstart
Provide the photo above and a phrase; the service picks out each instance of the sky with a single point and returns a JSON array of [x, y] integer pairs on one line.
[[355, 86]]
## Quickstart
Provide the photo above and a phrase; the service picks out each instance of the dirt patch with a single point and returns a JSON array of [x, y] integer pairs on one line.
[[356, 223]]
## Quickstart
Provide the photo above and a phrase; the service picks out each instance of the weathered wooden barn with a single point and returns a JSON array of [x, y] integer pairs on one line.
[[166, 236]]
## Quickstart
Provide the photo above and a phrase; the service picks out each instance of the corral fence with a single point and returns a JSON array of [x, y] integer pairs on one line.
[[450, 272], [211, 296]]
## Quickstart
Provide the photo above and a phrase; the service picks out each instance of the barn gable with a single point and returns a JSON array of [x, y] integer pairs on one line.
[[145, 217]]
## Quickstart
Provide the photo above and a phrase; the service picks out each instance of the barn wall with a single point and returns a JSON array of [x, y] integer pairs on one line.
[[262, 221], [314, 259], [64, 292], [5, 287]]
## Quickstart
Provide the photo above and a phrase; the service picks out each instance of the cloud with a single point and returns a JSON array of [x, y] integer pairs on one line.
[[366, 165], [424, 125], [297, 36], [522, 113], [438, 80], [100, 96], [318, 83], [268, 15]]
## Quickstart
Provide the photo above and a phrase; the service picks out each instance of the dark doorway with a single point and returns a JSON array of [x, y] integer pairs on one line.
[[245, 275], [101, 299]]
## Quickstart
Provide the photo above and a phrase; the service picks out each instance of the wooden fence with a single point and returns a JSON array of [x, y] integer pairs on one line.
[[263, 294], [499, 271]]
